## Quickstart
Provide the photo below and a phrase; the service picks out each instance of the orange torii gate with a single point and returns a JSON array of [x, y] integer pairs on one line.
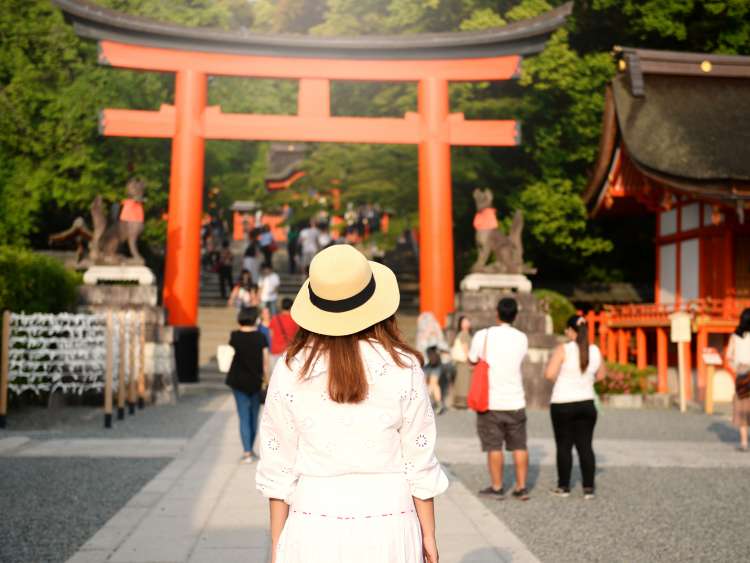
[[431, 60]]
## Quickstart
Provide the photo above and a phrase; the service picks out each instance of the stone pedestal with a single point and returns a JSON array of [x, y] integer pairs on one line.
[[132, 288], [119, 274], [511, 282], [478, 300]]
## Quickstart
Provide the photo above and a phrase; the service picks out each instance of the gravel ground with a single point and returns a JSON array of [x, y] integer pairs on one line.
[[181, 420], [640, 514], [615, 424], [51, 506]]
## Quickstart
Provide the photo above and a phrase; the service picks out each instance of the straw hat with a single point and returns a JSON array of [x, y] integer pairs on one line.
[[345, 293]]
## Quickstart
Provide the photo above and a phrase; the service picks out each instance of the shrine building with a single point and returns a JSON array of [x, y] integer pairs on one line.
[[676, 143]]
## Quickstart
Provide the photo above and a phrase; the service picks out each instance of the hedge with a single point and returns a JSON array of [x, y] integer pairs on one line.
[[34, 283], [560, 307]]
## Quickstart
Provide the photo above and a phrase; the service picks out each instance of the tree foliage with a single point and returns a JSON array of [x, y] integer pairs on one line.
[[53, 161]]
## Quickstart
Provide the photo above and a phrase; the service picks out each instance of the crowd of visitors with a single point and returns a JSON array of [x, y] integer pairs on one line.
[[573, 368], [341, 357]]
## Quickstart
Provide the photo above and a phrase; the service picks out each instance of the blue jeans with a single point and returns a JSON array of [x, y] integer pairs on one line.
[[271, 306], [247, 409]]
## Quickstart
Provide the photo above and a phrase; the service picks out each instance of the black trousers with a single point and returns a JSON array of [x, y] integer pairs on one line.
[[573, 424], [225, 280]]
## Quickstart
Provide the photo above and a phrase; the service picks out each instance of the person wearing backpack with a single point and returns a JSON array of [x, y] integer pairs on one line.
[[247, 373]]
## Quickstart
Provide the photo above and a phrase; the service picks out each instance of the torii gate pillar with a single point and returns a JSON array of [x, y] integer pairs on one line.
[[182, 269], [436, 287]]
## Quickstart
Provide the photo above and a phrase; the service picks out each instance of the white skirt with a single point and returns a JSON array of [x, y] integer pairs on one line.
[[362, 518]]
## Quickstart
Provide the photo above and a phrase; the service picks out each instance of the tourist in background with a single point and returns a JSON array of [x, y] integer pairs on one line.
[[504, 348], [244, 293], [246, 375], [250, 260], [460, 357], [269, 288], [738, 356], [574, 367], [267, 245], [264, 325], [283, 328], [354, 477], [308, 243], [224, 269], [292, 247], [431, 344]]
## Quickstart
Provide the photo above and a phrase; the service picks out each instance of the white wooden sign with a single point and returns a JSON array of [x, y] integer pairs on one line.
[[680, 327]]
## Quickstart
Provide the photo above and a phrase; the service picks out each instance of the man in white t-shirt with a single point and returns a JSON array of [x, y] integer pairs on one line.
[[503, 348], [268, 286]]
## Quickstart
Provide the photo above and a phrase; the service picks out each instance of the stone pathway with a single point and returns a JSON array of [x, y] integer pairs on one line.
[[610, 453], [203, 507], [100, 447]]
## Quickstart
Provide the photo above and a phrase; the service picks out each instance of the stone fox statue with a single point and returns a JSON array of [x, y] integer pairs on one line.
[[491, 241], [127, 228]]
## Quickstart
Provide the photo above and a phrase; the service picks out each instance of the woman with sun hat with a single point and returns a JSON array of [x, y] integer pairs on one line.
[[347, 436]]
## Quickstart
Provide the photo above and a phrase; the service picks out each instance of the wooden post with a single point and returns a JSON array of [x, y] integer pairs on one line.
[[108, 374], [121, 370], [611, 345], [131, 364], [701, 345], [5, 371], [681, 375], [662, 359], [640, 344], [688, 353], [141, 361], [591, 323], [709, 392], [623, 338]]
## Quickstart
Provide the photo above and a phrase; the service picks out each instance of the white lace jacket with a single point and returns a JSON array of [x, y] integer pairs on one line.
[[303, 432]]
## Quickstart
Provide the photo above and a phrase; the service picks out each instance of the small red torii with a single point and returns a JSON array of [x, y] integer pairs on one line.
[[431, 60]]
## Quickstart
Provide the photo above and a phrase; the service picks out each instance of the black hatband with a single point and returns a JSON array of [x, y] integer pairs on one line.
[[343, 305]]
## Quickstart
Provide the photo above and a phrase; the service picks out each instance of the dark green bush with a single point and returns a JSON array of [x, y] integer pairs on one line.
[[34, 283], [560, 308]]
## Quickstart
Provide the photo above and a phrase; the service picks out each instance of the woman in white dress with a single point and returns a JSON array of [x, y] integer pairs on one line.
[[348, 434]]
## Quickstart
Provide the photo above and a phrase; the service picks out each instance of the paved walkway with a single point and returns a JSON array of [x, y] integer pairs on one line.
[[203, 508], [610, 453]]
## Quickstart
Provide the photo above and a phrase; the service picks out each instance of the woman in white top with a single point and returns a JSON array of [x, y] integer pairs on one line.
[[573, 367], [738, 356], [348, 434]]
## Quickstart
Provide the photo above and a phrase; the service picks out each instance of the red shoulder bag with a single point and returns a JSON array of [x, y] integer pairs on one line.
[[478, 398]]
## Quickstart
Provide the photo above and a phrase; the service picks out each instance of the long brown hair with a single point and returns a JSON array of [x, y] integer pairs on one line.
[[347, 382], [578, 325]]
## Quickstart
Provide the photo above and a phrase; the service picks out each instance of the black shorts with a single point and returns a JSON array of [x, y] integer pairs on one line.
[[496, 428]]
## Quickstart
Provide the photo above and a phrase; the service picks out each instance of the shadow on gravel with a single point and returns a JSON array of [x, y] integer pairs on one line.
[[724, 432], [486, 554]]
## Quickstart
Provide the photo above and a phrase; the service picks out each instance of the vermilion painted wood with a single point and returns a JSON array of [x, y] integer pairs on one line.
[[170, 60], [435, 201], [182, 269], [236, 126], [189, 122]]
